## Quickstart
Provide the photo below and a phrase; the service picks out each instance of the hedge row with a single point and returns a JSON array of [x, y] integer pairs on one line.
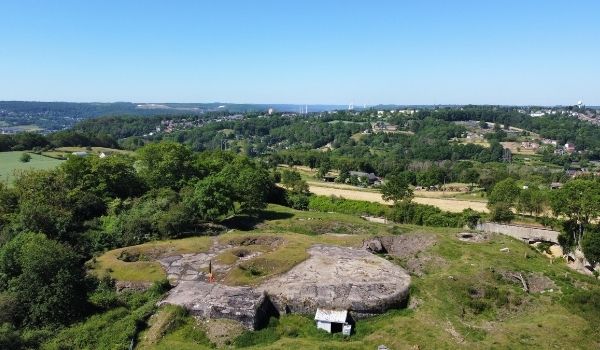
[[402, 213]]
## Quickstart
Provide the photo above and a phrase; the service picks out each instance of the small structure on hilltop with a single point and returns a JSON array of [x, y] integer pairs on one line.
[[105, 154], [80, 154], [334, 321]]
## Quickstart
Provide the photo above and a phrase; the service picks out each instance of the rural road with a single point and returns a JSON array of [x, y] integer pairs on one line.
[[451, 205]]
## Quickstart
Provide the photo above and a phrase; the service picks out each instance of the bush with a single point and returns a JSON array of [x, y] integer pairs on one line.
[[402, 212], [25, 157], [347, 206], [298, 201], [590, 244], [471, 218], [426, 215]]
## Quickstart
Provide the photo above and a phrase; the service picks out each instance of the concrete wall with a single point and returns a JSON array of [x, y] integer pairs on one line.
[[520, 232]]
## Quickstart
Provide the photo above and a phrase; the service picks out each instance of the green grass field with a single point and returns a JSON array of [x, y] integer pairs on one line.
[[11, 165]]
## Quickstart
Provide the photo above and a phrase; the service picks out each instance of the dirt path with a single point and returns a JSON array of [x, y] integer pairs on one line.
[[451, 205]]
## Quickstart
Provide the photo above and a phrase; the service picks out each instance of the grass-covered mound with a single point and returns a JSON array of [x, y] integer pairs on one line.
[[463, 295]]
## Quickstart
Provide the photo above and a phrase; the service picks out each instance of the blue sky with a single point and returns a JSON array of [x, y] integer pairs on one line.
[[364, 52]]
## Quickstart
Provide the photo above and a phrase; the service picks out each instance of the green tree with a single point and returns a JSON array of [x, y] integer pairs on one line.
[[290, 177], [109, 177], [397, 188], [212, 198], [505, 191], [532, 201], [45, 277], [25, 157], [579, 201], [471, 176], [501, 212], [166, 164], [251, 184], [590, 245]]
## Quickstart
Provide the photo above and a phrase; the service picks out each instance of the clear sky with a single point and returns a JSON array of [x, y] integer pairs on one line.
[[285, 51]]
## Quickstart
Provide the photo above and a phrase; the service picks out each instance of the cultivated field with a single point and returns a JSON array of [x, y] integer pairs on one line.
[[515, 148], [10, 164], [451, 205]]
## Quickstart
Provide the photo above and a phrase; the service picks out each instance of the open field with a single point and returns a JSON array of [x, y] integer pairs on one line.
[[95, 150], [10, 164], [451, 205], [63, 152], [20, 128], [460, 297]]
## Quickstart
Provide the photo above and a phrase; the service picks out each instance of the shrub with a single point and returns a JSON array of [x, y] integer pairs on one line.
[[298, 201], [501, 212], [590, 244], [420, 214], [347, 206], [25, 157]]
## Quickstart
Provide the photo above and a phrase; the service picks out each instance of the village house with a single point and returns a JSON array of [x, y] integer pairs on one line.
[[549, 142], [569, 147], [530, 145], [334, 321], [371, 178]]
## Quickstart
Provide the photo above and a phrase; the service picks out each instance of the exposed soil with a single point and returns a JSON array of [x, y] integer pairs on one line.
[[258, 240], [474, 237], [539, 283], [419, 264], [536, 282], [406, 246]]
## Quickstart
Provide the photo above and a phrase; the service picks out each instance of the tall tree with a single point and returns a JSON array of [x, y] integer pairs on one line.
[[166, 164], [397, 188], [578, 200]]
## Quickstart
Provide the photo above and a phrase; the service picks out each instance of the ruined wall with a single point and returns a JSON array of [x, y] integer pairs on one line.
[[520, 232]]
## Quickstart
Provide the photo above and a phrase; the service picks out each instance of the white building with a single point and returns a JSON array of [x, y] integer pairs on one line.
[[333, 321]]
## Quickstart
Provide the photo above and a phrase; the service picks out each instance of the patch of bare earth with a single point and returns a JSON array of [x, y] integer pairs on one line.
[[474, 237], [410, 249], [530, 282]]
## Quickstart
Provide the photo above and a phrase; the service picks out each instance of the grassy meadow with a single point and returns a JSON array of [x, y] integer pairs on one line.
[[10, 164]]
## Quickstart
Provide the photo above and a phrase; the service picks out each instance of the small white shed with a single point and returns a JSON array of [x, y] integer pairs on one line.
[[333, 321]]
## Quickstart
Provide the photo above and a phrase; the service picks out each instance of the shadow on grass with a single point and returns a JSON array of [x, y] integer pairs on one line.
[[247, 222]]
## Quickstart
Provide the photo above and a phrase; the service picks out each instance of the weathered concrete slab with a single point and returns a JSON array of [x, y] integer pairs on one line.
[[213, 300], [332, 277], [340, 278], [526, 233]]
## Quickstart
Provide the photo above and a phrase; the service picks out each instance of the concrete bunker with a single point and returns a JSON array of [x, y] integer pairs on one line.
[[349, 282]]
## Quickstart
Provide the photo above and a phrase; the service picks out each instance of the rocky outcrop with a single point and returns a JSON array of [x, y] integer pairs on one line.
[[340, 278]]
